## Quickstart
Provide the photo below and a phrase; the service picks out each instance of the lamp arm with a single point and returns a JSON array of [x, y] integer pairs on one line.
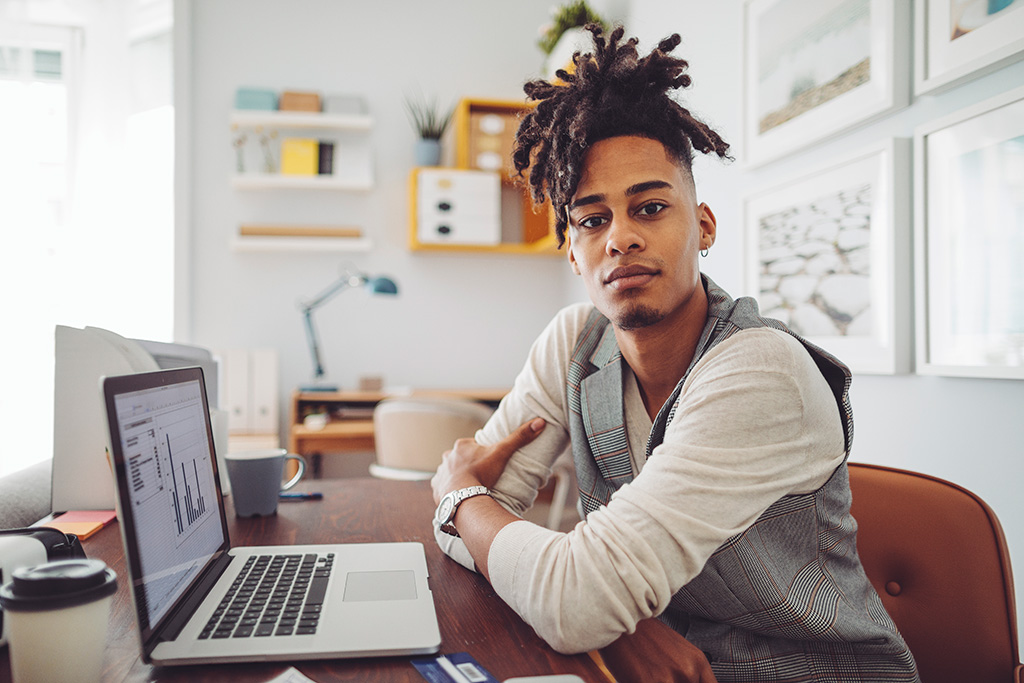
[[346, 280], [311, 340]]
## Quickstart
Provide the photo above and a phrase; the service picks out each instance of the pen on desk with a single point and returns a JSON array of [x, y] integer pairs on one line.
[[301, 496]]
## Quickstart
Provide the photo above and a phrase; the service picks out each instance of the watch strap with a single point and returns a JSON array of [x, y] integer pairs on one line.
[[458, 497]]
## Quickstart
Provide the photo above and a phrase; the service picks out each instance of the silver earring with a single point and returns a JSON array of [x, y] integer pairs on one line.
[[704, 251]]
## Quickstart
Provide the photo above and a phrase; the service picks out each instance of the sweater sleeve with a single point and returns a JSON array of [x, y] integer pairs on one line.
[[755, 421], [539, 391]]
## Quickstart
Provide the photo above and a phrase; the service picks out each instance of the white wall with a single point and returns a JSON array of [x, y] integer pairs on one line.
[[461, 319], [969, 431]]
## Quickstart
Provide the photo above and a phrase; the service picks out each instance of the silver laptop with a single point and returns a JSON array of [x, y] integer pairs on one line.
[[198, 599]]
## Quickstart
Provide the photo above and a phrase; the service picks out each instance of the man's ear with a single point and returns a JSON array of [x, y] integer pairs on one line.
[[572, 257], [708, 225]]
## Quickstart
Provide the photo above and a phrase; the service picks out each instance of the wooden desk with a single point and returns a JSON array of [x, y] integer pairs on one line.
[[471, 617], [350, 428]]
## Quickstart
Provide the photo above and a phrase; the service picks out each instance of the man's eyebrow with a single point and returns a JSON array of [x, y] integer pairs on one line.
[[630, 191], [649, 185], [589, 199]]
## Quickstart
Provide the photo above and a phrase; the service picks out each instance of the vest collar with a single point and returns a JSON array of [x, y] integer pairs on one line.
[[607, 350]]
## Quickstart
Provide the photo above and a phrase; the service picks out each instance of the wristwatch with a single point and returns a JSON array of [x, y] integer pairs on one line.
[[451, 502]]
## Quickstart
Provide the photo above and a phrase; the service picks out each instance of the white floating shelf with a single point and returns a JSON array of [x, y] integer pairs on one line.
[[319, 244], [276, 181], [298, 119]]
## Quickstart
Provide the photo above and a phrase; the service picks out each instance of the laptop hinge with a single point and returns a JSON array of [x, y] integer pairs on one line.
[[176, 620]]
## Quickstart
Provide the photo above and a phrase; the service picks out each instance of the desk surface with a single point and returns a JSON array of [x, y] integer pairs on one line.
[[471, 617]]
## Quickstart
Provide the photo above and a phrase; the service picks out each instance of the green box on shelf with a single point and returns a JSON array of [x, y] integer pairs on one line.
[[255, 98]]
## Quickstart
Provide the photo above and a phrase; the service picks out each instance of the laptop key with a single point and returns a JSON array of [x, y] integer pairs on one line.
[[317, 591], [264, 630]]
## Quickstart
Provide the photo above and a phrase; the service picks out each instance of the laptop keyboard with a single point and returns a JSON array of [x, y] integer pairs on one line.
[[273, 595]]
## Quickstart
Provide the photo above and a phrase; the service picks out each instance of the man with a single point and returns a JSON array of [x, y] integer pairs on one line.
[[709, 443]]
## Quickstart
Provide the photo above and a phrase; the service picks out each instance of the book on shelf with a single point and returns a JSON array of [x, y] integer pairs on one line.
[[326, 158], [299, 156]]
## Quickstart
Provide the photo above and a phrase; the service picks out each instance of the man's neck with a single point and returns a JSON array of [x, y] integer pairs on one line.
[[659, 354]]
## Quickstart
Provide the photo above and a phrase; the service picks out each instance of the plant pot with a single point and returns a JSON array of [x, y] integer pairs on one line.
[[428, 152]]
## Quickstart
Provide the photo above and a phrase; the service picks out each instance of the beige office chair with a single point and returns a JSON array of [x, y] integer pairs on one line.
[[937, 557], [412, 433]]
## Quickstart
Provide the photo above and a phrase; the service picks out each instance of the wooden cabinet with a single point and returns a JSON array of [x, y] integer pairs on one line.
[[484, 135]]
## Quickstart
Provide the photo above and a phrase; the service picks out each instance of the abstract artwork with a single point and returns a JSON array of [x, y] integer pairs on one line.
[[813, 68], [810, 53], [822, 255], [969, 15], [815, 264], [956, 40], [970, 239]]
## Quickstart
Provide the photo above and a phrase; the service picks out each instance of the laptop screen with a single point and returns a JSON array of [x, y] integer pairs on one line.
[[170, 500]]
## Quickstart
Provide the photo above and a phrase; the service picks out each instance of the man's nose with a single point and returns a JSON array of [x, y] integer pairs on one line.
[[623, 236]]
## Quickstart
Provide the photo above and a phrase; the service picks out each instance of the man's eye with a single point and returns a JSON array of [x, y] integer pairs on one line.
[[651, 209], [593, 222]]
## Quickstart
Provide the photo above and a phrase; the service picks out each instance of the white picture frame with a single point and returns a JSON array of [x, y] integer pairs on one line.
[[969, 241], [956, 40], [815, 68], [828, 254]]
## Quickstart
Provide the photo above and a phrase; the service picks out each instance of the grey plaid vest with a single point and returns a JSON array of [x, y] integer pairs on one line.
[[786, 600]]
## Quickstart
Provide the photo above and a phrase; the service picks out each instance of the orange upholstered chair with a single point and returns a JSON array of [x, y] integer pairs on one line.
[[936, 554]]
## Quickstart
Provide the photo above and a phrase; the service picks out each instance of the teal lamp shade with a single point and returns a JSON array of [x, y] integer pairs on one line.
[[382, 285]]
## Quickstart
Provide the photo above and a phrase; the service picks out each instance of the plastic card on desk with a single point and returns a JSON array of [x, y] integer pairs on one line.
[[455, 668]]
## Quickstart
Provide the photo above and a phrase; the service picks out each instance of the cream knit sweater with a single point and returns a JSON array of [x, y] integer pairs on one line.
[[756, 421]]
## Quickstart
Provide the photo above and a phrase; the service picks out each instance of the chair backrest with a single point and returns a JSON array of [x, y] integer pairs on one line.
[[412, 433], [937, 557]]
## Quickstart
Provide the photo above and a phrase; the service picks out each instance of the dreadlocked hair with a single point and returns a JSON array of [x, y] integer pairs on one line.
[[612, 92]]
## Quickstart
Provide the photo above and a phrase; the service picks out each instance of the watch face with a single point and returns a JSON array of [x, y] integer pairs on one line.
[[444, 510]]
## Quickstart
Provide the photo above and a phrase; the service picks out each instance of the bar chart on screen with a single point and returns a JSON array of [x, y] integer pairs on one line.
[[168, 457]]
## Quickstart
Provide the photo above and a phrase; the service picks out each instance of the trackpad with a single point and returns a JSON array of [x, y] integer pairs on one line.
[[389, 585]]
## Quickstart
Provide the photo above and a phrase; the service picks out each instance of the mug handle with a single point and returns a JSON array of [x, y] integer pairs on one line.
[[298, 475]]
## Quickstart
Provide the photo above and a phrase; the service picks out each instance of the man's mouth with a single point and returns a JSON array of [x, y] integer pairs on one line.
[[626, 277]]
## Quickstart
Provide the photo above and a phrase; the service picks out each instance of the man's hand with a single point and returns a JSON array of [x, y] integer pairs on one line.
[[470, 464], [658, 654]]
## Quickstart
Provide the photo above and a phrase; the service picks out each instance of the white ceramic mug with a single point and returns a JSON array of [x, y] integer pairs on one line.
[[256, 479]]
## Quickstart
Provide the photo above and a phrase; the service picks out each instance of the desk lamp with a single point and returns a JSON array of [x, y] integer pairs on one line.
[[348, 279]]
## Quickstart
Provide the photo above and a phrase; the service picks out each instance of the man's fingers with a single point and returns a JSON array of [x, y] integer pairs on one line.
[[523, 435]]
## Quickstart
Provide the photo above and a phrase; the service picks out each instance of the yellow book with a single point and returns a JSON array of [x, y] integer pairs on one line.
[[299, 156]]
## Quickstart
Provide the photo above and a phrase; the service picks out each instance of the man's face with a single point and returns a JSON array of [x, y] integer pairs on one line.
[[635, 230]]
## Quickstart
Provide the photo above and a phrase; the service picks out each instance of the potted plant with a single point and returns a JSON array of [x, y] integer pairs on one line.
[[430, 123], [565, 35]]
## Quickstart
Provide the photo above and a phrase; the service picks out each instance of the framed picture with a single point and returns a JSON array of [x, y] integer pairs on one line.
[[814, 68], [960, 39], [828, 254], [969, 241]]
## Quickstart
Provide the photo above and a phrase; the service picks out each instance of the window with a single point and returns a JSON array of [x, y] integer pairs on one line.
[[86, 201]]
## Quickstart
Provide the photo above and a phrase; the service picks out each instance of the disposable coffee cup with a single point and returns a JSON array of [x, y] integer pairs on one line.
[[57, 616], [256, 479]]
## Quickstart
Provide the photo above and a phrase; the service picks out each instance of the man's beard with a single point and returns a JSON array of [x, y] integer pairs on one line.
[[639, 316]]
